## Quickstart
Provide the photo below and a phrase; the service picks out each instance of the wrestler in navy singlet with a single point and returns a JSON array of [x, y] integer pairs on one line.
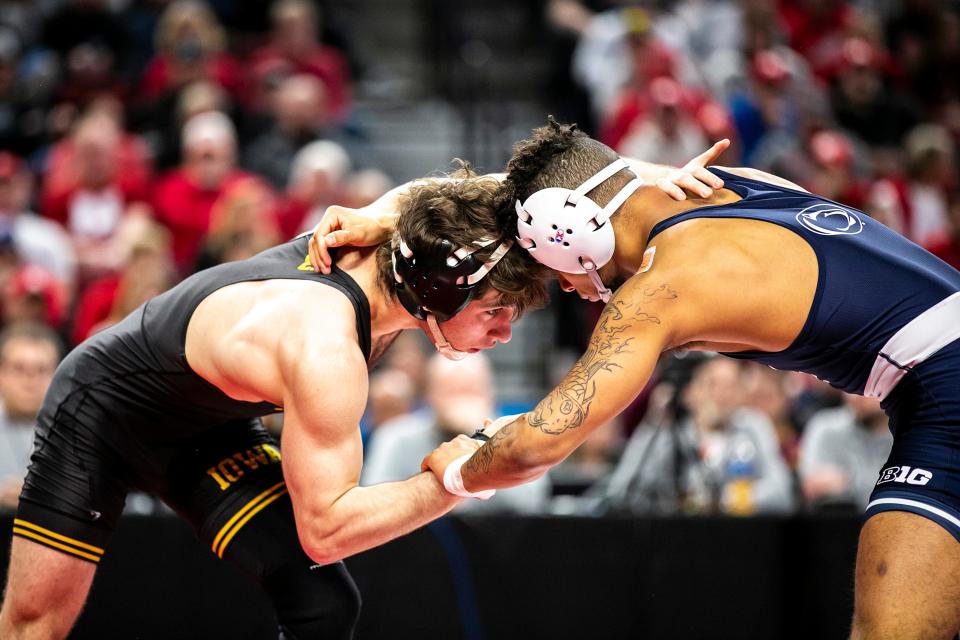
[[879, 297]]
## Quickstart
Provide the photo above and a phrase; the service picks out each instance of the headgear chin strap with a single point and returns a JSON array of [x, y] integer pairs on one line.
[[437, 287], [568, 232], [440, 341]]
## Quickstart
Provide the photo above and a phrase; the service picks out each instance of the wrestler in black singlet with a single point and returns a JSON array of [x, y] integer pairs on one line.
[[125, 411]]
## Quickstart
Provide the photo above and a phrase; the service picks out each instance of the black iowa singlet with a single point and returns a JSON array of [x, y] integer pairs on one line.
[[124, 410], [144, 355]]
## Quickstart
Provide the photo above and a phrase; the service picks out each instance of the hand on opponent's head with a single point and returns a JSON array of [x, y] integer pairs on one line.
[[694, 176], [340, 227]]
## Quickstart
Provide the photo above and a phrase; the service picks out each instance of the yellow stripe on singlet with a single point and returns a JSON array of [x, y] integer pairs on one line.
[[263, 505], [17, 522], [220, 542], [56, 545]]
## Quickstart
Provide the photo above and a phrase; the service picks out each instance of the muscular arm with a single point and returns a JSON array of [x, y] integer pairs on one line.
[[693, 176], [635, 328], [385, 210], [365, 227], [324, 396], [649, 171], [376, 222]]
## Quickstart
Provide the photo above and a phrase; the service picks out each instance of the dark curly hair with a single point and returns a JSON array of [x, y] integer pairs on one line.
[[560, 155], [461, 208]]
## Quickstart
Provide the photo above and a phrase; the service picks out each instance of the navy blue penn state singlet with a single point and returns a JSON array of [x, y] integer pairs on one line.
[[872, 280], [884, 322]]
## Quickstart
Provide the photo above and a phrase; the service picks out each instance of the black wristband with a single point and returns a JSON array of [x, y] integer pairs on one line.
[[480, 435]]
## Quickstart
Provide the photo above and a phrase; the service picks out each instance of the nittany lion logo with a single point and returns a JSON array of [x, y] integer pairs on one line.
[[829, 219]]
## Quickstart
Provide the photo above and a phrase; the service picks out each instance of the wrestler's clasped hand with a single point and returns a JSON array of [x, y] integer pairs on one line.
[[438, 460]]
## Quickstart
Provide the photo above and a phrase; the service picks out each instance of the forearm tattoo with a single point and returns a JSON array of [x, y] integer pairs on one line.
[[569, 404], [481, 460]]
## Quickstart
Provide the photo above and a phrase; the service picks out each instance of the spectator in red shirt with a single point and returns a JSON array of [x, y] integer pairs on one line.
[[649, 59], [185, 196], [669, 132], [164, 131], [294, 49], [190, 46], [94, 178], [656, 112]]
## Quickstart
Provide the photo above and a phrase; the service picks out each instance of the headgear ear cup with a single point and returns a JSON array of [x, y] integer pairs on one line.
[[567, 231], [437, 287]]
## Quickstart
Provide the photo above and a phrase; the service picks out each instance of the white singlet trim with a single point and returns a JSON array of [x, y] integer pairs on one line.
[[916, 341], [919, 505]]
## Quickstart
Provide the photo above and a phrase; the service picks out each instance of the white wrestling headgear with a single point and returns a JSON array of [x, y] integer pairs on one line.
[[567, 231]]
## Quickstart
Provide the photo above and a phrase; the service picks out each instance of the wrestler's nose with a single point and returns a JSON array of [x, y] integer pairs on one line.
[[503, 331]]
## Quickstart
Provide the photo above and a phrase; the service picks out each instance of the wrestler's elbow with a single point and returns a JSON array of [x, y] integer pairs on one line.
[[324, 554], [323, 542], [324, 551]]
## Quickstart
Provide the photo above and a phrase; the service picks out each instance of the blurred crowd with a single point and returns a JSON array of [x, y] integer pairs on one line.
[[140, 143], [142, 140], [857, 101]]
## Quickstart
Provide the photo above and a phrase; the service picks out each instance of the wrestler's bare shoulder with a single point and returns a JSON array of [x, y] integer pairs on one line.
[[272, 304], [742, 283], [239, 335]]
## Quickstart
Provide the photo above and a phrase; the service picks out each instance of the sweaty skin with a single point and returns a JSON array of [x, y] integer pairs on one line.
[[284, 341], [293, 343], [710, 288], [372, 225]]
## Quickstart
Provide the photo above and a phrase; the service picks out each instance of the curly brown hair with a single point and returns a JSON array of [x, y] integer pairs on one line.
[[462, 208], [560, 155]]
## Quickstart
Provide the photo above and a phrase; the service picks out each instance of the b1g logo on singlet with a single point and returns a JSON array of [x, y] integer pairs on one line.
[[906, 475], [828, 219]]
